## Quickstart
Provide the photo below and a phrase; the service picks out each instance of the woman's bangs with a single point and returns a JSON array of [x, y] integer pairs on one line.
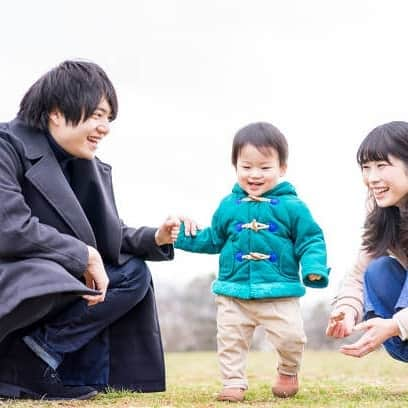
[[373, 149]]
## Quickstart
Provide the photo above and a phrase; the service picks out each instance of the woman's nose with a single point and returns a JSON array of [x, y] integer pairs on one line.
[[372, 176]]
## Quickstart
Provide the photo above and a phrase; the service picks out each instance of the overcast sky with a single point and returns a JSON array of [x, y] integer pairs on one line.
[[190, 73]]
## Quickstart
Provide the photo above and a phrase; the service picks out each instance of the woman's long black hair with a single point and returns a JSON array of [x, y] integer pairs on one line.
[[385, 228]]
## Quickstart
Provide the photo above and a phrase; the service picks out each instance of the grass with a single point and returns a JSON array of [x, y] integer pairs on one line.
[[328, 379]]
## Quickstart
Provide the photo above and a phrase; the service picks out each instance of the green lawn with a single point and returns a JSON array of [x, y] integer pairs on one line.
[[328, 379]]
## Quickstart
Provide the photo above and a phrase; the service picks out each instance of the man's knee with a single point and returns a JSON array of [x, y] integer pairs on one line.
[[134, 274]]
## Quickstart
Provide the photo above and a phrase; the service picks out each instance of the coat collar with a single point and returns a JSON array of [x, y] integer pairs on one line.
[[282, 188], [55, 188], [34, 141]]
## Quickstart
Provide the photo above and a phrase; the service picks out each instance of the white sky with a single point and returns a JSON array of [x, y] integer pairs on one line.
[[190, 73]]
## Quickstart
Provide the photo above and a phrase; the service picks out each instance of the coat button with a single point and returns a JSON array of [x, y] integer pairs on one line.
[[273, 227], [273, 257], [274, 201]]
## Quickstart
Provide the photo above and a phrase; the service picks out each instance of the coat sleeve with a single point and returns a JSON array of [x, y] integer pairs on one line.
[[310, 247], [141, 243], [209, 240], [22, 235], [351, 293]]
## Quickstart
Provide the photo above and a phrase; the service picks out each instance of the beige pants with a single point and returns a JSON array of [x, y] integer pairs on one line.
[[236, 322]]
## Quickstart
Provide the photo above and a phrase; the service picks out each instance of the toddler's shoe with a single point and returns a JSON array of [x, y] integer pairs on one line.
[[231, 395], [285, 386]]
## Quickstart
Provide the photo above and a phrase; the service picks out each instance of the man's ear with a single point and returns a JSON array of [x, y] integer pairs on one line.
[[56, 117], [283, 169]]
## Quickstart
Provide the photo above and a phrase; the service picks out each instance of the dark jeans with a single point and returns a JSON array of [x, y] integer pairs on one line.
[[386, 292], [79, 323]]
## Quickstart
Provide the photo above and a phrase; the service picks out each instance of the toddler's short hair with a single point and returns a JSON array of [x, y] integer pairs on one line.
[[263, 136]]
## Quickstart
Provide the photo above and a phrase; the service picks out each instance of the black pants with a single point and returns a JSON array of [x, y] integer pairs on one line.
[[78, 324], [119, 340]]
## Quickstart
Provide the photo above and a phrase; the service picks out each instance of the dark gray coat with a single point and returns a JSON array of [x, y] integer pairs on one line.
[[44, 234]]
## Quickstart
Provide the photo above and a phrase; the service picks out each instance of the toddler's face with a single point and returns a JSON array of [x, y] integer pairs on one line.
[[258, 171]]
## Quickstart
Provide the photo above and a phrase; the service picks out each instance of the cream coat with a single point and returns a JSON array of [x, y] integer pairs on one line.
[[351, 293]]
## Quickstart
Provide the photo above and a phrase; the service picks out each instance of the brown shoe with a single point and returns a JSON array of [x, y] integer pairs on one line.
[[231, 395], [285, 386]]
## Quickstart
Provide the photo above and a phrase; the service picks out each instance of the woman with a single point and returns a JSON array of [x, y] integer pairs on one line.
[[377, 289]]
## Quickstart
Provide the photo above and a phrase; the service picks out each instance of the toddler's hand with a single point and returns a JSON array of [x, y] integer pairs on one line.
[[167, 233], [190, 226], [312, 277]]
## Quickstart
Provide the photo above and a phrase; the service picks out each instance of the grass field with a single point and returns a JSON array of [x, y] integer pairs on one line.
[[328, 379]]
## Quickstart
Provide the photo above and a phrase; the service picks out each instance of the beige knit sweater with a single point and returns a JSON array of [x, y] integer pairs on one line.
[[351, 294]]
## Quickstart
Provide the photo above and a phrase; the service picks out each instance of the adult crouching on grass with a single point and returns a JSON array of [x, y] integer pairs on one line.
[[77, 307], [377, 289]]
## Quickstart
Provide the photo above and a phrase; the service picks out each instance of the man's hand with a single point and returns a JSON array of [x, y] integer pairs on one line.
[[341, 322], [377, 330], [95, 277], [313, 277], [167, 232]]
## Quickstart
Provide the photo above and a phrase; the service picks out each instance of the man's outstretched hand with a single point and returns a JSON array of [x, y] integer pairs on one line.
[[167, 232]]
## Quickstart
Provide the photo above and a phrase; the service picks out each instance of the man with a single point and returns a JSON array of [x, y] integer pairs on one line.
[[77, 308]]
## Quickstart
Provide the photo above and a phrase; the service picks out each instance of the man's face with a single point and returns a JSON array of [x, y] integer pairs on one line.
[[81, 140]]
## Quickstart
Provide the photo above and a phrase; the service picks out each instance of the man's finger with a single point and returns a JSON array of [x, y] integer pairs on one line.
[[94, 299]]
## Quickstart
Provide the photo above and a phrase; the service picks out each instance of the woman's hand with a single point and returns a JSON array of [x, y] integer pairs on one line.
[[377, 330], [341, 322]]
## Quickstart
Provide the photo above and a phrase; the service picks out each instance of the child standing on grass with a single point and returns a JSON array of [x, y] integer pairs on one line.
[[262, 231]]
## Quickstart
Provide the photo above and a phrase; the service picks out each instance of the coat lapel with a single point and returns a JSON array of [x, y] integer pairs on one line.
[[46, 175], [60, 195]]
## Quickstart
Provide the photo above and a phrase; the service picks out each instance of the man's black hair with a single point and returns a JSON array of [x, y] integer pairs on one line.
[[74, 88]]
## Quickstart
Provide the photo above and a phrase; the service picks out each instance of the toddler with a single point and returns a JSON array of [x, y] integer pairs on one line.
[[263, 232]]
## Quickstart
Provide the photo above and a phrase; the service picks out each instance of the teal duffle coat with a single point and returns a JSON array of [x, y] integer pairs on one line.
[[268, 246]]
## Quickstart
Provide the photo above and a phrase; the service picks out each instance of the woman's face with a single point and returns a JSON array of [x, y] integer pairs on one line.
[[387, 181]]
